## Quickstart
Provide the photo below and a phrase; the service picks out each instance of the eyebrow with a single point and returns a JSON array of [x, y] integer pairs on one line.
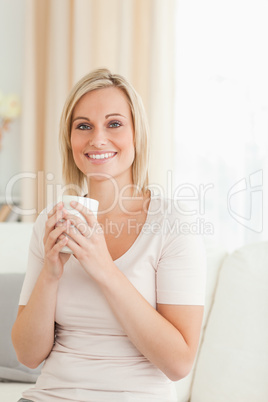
[[81, 118], [106, 117], [114, 114]]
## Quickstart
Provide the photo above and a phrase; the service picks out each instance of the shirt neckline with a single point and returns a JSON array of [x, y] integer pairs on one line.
[[133, 245]]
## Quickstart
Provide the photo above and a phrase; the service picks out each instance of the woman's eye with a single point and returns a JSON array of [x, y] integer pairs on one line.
[[83, 127], [115, 124]]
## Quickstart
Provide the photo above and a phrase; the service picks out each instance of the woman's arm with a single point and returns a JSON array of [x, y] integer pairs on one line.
[[33, 330], [168, 337]]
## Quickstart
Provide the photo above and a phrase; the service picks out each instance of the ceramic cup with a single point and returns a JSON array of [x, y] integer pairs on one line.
[[86, 202]]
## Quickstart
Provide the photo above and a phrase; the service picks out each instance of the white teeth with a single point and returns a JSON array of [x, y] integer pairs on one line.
[[101, 156]]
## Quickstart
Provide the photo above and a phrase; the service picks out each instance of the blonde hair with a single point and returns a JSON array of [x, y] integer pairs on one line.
[[98, 79]]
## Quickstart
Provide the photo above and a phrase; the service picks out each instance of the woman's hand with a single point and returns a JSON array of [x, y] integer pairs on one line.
[[55, 240], [87, 241]]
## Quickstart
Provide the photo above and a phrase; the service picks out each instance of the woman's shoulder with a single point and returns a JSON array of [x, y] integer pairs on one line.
[[170, 208], [175, 217]]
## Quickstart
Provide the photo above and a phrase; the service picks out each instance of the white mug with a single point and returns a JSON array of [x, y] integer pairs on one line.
[[86, 202]]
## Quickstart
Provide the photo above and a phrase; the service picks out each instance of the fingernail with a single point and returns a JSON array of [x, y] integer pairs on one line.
[[74, 203]]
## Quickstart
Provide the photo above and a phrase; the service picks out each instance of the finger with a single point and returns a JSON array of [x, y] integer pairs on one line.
[[85, 212], [56, 214], [78, 223], [54, 235], [62, 236], [61, 222], [80, 233], [59, 246], [75, 247], [52, 221], [58, 206]]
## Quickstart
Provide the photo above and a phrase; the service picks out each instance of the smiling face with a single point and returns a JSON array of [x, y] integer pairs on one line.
[[102, 135]]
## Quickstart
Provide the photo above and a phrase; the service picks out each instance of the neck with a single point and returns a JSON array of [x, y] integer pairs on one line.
[[114, 196]]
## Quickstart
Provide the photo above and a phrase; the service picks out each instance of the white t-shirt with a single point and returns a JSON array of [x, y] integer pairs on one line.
[[92, 358]]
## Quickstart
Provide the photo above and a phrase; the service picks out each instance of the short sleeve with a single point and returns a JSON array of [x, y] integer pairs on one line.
[[35, 258], [181, 270]]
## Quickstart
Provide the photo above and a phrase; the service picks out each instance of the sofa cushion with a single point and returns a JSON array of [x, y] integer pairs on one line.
[[215, 258], [10, 368], [233, 361], [14, 241]]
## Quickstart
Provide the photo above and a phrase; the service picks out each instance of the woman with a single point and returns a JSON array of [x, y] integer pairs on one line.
[[120, 319]]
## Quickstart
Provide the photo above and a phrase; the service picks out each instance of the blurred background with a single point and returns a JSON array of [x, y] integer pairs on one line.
[[201, 70]]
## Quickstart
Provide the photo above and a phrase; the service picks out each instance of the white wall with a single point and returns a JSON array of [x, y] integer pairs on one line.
[[12, 13]]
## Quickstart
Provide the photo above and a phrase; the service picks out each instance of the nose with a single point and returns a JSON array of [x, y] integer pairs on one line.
[[97, 138]]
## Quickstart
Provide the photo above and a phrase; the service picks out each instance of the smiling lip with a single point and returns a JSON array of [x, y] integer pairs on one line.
[[100, 157]]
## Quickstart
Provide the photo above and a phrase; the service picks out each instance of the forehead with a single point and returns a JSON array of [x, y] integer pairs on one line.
[[104, 100]]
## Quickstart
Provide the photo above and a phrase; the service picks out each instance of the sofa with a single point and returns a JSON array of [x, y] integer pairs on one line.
[[232, 360]]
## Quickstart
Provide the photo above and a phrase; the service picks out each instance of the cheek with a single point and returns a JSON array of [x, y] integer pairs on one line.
[[127, 146], [130, 153], [132, 148], [76, 143], [76, 149], [127, 142], [72, 141]]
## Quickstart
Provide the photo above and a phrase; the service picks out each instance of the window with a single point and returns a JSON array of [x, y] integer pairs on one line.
[[221, 114]]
